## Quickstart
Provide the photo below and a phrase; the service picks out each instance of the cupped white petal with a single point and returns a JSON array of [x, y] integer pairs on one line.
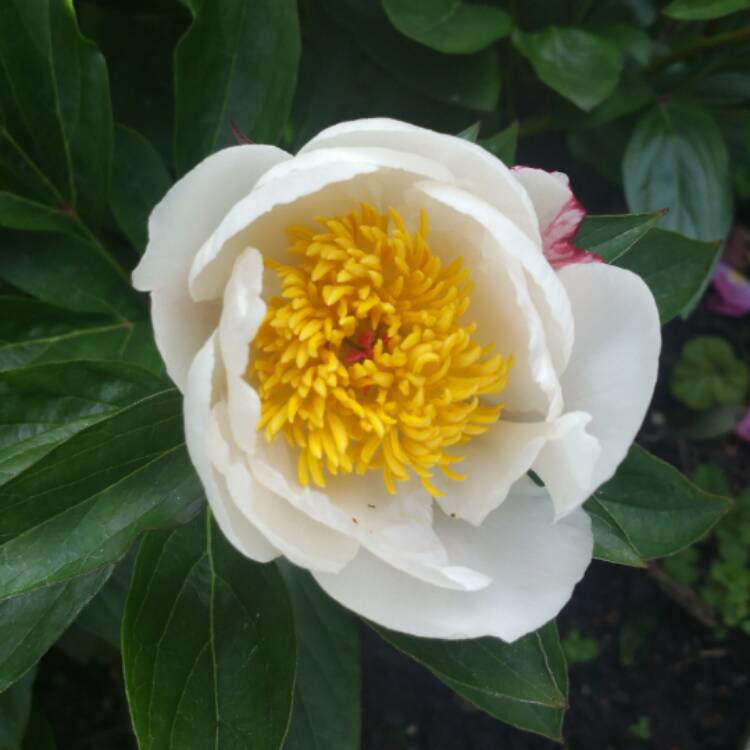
[[612, 371], [178, 226], [397, 529], [325, 183], [299, 538], [560, 451], [474, 167], [549, 192], [534, 565], [197, 405]]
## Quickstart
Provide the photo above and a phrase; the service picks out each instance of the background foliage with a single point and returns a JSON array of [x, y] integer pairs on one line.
[[104, 542]]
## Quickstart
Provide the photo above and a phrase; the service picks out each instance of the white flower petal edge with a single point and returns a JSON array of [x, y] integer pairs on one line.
[[186, 216], [612, 371], [534, 564], [473, 166]]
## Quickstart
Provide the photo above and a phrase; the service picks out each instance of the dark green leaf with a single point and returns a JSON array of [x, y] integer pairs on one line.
[[55, 101], [676, 268], [709, 374], [15, 708], [208, 645], [72, 273], [610, 543], [651, 509], [32, 622], [327, 709], [450, 26], [32, 332], [17, 212], [610, 237], [522, 683], [471, 133], [677, 159], [470, 81], [503, 144], [580, 65], [98, 491], [139, 182], [702, 10], [39, 734], [237, 62]]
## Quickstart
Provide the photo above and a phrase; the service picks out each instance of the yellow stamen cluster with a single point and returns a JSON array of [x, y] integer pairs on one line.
[[362, 362]]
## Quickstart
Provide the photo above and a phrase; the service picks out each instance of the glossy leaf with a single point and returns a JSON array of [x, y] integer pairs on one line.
[[98, 490], [32, 622], [578, 64], [703, 10], [676, 268], [34, 333], [470, 81], [238, 61], [327, 709], [54, 96], [15, 709], [503, 144], [139, 182], [650, 510], [522, 683], [208, 645], [450, 26], [610, 237], [676, 159]]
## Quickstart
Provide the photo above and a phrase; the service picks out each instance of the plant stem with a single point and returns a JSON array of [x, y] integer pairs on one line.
[[702, 43]]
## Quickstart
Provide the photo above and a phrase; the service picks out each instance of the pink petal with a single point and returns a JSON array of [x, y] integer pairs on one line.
[[731, 292], [742, 428]]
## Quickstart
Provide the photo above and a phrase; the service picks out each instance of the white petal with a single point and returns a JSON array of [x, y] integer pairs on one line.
[[197, 412], [540, 302], [474, 167], [327, 183], [242, 313], [612, 371], [398, 529], [549, 192], [561, 452], [534, 565], [192, 209], [305, 542]]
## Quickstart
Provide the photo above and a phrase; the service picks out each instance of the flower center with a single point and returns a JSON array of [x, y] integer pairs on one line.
[[362, 362]]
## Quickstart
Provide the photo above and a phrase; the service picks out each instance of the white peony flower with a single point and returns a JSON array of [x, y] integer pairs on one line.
[[377, 340]]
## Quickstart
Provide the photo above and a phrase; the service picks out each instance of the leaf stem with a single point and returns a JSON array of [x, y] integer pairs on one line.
[[699, 45]]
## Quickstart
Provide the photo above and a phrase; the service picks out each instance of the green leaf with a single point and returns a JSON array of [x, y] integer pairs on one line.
[[580, 65], [39, 734], [450, 26], [237, 62], [97, 490], [32, 332], [32, 622], [610, 237], [208, 645], [471, 133], [327, 709], [470, 81], [677, 159], [652, 509], [55, 102], [610, 543], [139, 182], [503, 144], [522, 683], [68, 272], [703, 10], [709, 374], [15, 709], [676, 268], [43, 406]]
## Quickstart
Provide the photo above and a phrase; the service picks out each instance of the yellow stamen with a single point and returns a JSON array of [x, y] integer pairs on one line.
[[362, 362]]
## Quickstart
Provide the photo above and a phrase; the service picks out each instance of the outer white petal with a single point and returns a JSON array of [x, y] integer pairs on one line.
[[549, 192], [561, 452], [321, 183], [534, 564], [199, 392], [304, 541], [178, 226], [612, 370], [474, 167]]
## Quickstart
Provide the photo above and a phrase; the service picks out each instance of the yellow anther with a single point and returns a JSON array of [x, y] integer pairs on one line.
[[363, 362]]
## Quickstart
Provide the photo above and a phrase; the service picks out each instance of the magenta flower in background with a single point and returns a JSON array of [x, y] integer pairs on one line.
[[730, 286]]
